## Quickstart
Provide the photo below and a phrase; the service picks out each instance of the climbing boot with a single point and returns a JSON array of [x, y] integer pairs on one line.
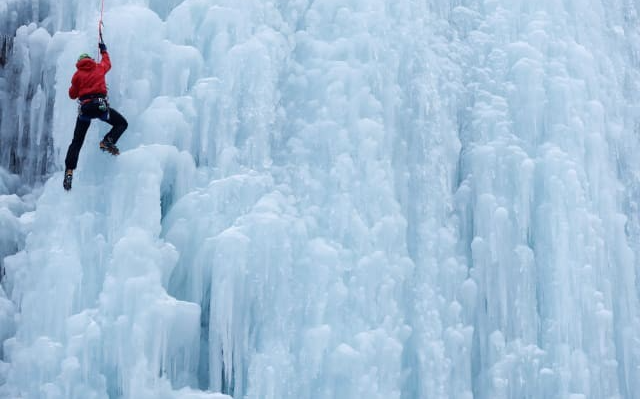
[[68, 177], [109, 146]]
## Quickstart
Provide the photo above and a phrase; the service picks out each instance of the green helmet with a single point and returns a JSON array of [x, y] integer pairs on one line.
[[83, 56]]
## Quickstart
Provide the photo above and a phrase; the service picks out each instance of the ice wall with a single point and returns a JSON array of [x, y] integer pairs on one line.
[[15, 13], [26, 89], [540, 165], [26, 101], [330, 199]]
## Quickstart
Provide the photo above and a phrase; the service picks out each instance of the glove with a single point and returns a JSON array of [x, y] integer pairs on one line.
[[103, 47]]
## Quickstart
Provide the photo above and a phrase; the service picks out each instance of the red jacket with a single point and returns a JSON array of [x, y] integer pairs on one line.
[[89, 78]]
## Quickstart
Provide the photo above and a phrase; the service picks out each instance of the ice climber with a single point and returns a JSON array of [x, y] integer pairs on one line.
[[89, 87]]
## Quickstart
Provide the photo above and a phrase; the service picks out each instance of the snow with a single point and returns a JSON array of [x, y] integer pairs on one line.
[[324, 199]]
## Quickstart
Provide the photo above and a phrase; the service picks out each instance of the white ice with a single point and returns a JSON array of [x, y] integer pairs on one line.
[[325, 199]]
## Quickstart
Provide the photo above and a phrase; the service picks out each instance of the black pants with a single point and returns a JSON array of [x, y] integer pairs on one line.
[[88, 112]]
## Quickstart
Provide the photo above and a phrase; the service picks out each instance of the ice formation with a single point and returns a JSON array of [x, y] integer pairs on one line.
[[324, 199]]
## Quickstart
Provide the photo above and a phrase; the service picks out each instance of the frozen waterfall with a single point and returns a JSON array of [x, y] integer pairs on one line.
[[349, 199]]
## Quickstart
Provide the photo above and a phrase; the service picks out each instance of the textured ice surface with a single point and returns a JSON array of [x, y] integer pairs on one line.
[[325, 199]]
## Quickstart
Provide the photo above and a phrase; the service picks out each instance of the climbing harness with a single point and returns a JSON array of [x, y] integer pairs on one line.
[[93, 106]]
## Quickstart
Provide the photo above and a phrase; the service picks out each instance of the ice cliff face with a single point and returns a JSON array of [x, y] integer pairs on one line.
[[324, 199]]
